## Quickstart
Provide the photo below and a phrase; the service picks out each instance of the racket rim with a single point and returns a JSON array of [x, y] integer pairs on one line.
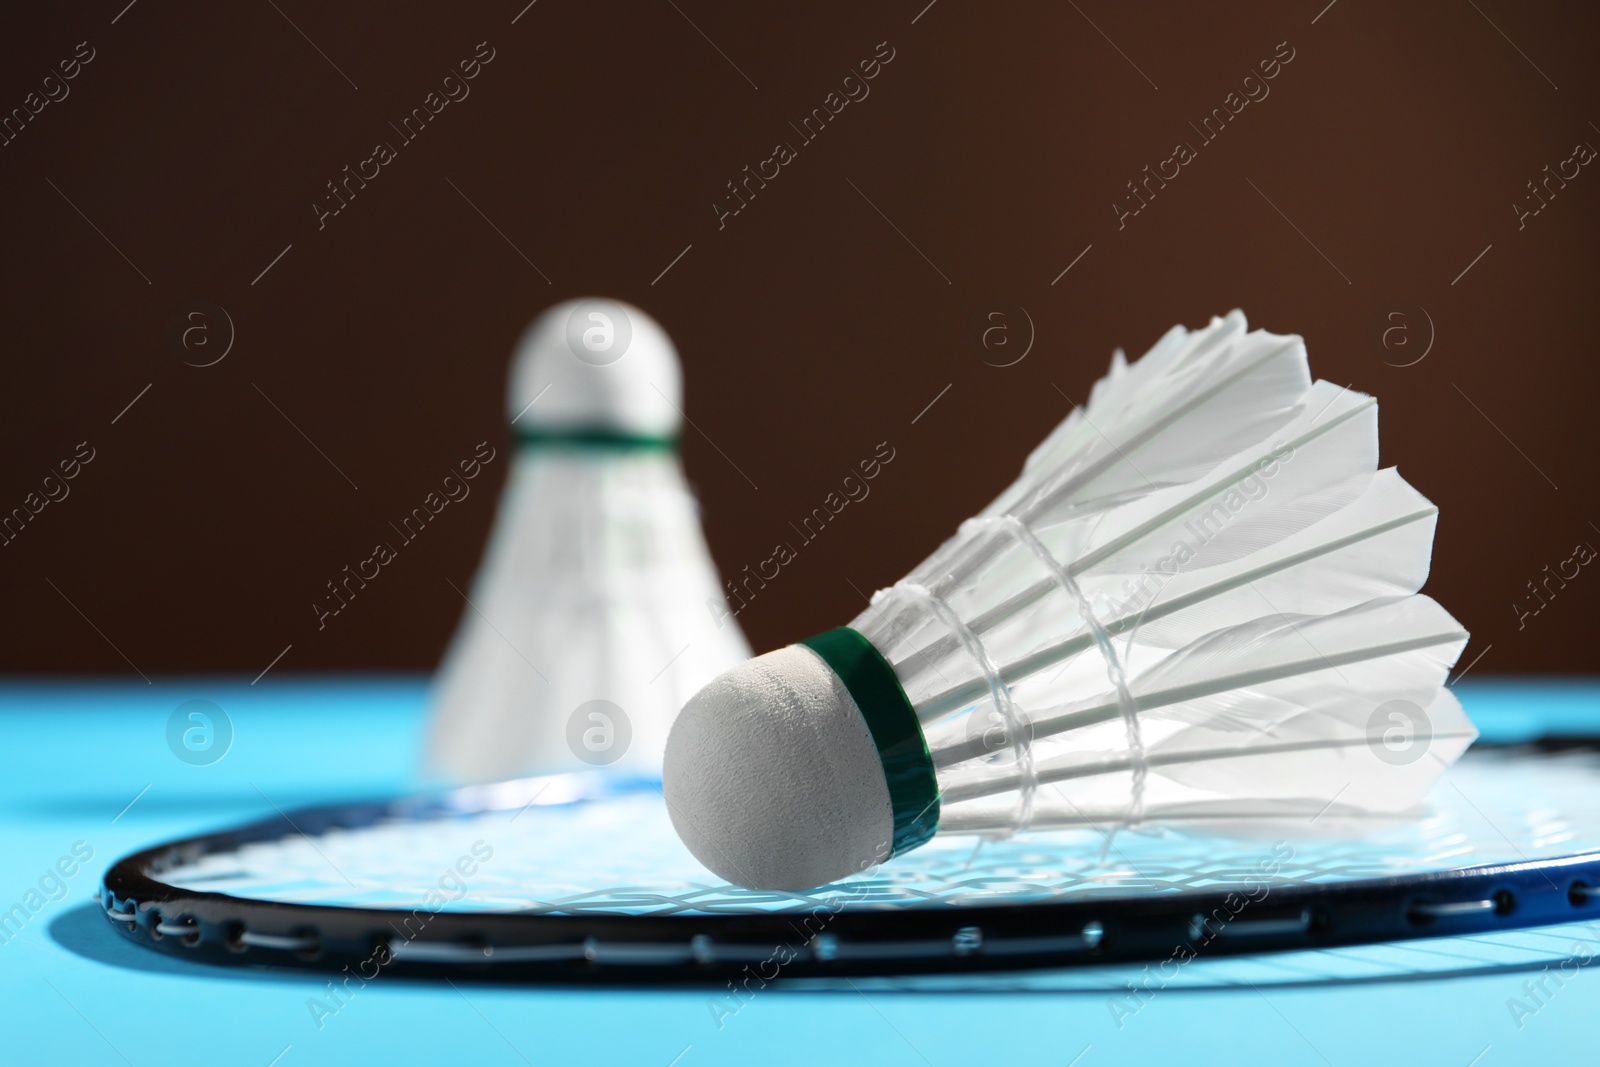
[[619, 946]]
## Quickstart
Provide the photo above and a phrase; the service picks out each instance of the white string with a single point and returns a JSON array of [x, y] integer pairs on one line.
[[1102, 640], [1016, 728]]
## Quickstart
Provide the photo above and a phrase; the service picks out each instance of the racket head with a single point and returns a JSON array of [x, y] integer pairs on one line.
[[579, 878]]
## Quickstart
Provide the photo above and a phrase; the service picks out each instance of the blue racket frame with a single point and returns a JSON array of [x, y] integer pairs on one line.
[[829, 940]]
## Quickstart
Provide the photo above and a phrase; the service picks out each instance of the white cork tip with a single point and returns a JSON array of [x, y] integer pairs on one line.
[[596, 364], [772, 778]]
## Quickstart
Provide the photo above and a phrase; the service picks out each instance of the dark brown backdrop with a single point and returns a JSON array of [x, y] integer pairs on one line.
[[187, 154]]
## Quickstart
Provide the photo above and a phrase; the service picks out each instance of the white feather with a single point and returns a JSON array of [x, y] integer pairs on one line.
[[595, 585], [1217, 519]]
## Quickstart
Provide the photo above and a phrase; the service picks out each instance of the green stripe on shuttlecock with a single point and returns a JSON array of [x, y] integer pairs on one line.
[[907, 765], [595, 438]]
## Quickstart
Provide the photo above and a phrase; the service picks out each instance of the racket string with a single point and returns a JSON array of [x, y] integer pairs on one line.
[[204, 901], [644, 911]]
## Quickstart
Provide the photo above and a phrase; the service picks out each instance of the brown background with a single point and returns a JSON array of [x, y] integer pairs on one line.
[[597, 140]]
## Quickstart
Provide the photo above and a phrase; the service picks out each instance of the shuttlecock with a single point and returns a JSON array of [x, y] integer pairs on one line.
[[1197, 602], [596, 609]]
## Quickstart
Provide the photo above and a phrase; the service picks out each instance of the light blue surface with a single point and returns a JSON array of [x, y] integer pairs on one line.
[[73, 756]]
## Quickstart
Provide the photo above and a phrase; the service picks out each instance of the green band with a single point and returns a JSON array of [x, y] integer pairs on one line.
[[907, 766], [593, 438]]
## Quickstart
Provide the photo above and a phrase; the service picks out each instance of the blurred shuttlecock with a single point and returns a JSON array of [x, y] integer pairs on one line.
[[596, 609], [1197, 602]]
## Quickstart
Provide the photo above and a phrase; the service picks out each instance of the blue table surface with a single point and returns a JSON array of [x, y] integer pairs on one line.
[[86, 764]]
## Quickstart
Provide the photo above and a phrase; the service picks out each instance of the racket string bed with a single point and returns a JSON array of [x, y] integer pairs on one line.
[[593, 887]]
